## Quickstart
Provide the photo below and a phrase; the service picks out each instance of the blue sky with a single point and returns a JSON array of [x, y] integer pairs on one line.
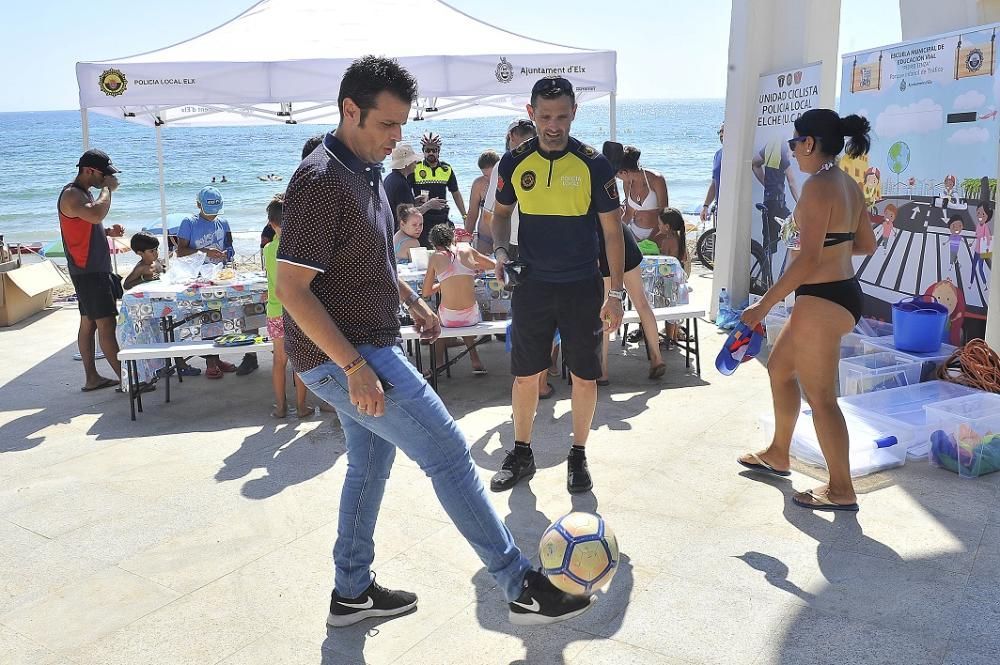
[[666, 48]]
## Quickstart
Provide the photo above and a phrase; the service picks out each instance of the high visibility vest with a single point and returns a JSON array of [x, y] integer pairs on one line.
[[440, 175]]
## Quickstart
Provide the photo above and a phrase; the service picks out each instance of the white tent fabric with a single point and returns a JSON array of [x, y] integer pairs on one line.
[[282, 61]]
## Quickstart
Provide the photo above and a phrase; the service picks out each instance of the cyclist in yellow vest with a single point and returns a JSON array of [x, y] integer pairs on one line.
[[432, 179]]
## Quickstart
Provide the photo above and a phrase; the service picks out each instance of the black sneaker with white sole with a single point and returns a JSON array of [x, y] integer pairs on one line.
[[541, 603], [376, 601], [516, 467]]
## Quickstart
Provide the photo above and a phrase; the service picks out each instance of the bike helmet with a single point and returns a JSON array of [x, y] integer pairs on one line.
[[430, 138]]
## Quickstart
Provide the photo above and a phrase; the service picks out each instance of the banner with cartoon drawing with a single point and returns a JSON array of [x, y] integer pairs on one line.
[[930, 177], [775, 177]]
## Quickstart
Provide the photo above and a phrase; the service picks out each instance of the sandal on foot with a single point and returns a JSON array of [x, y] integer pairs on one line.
[[103, 383], [809, 499], [658, 371], [479, 372], [549, 394], [760, 465]]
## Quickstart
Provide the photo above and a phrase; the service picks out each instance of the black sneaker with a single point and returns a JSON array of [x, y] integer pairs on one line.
[[577, 474], [515, 467], [376, 601], [247, 365], [541, 603]]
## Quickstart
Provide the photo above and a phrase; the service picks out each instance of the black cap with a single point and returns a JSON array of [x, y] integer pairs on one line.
[[97, 159]]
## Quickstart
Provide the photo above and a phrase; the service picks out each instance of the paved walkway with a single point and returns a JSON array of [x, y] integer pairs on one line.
[[202, 533]]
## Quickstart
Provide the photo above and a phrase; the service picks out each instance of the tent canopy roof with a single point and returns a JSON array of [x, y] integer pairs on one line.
[[295, 51]]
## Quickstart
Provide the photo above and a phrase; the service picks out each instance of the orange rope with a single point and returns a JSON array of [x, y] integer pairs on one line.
[[975, 365]]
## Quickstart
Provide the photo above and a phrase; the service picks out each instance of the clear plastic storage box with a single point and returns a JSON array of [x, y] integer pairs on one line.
[[877, 371], [966, 434]]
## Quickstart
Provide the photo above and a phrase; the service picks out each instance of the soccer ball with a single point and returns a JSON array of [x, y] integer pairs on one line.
[[579, 553]]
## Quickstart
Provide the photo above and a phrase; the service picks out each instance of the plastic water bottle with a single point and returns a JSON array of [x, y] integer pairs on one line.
[[724, 303]]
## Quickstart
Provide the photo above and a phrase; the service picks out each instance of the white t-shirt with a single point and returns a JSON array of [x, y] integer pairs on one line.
[[491, 201]]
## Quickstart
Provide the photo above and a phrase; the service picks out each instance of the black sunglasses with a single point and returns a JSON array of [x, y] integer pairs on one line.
[[797, 139], [429, 149], [552, 86]]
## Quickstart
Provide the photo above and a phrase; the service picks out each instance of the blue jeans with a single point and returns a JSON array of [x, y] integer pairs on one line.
[[416, 422]]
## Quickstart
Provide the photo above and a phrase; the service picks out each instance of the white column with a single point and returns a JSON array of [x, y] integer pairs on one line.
[[613, 119], [85, 122], [163, 195], [764, 36]]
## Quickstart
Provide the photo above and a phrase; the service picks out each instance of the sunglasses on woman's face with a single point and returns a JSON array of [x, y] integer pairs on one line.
[[794, 141]]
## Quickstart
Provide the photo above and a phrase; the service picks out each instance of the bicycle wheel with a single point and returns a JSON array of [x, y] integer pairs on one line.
[[705, 249], [759, 281]]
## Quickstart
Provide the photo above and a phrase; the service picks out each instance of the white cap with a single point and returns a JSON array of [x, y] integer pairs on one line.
[[402, 156]]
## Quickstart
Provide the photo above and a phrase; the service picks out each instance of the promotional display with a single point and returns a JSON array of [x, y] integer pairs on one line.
[[930, 177], [776, 178]]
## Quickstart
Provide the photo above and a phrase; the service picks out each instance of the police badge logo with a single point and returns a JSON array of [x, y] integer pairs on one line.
[[797, 78], [587, 151], [112, 82], [528, 180], [781, 81], [505, 71], [611, 187], [974, 60]]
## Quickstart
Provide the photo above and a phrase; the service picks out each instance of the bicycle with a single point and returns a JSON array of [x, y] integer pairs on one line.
[[705, 251]]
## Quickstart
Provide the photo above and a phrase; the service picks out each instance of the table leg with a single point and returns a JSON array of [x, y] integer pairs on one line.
[[432, 350], [687, 344], [131, 388], [697, 348]]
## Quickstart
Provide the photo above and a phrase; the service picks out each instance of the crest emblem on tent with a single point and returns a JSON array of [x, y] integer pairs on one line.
[[505, 71], [797, 77], [112, 82], [974, 60]]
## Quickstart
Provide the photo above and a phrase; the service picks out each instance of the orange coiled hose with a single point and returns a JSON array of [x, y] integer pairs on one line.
[[975, 365]]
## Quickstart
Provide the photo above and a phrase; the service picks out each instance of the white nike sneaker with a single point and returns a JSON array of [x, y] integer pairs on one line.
[[376, 601], [541, 603], [98, 355]]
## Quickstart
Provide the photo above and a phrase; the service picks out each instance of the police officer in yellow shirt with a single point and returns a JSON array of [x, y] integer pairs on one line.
[[431, 179]]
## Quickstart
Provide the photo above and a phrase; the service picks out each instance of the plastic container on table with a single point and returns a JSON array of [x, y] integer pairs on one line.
[[937, 358], [875, 444], [966, 435], [877, 371], [904, 408]]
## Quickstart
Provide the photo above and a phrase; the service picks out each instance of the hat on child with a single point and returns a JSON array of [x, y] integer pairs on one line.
[[210, 199]]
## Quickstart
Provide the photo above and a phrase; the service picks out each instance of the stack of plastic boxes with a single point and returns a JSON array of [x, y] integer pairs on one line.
[[966, 434]]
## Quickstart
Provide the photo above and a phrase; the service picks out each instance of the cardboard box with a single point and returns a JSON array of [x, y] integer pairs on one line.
[[26, 290]]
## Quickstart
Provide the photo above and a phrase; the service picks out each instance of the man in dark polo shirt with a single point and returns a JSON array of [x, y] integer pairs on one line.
[[337, 281], [566, 194], [81, 223]]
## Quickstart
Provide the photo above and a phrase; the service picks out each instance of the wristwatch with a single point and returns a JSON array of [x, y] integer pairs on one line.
[[618, 295], [411, 300]]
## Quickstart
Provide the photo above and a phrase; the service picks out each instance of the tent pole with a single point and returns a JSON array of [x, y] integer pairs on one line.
[[85, 121], [613, 119], [163, 195]]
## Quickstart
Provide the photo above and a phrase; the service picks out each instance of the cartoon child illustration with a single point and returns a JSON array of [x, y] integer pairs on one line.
[[954, 240], [949, 188], [888, 218], [982, 246], [953, 298], [872, 190]]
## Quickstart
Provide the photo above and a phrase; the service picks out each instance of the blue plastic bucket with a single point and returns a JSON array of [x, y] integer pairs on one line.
[[918, 324]]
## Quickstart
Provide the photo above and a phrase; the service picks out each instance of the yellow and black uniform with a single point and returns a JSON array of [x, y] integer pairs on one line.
[[559, 196], [437, 181]]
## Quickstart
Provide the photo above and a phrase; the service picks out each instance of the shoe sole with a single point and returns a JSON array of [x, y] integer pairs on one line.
[[533, 619], [526, 476], [579, 490], [339, 621]]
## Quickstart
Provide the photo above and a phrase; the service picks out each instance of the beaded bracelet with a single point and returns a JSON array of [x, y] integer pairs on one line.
[[354, 365]]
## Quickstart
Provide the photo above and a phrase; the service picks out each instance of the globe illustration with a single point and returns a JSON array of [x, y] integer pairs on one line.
[[899, 157]]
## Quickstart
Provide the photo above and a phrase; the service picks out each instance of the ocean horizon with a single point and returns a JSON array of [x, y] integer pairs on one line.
[[677, 138]]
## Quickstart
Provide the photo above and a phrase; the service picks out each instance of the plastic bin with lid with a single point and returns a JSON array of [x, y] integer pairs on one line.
[[966, 435], [875, 445], [876, 344], [904, 408], [877, 371]]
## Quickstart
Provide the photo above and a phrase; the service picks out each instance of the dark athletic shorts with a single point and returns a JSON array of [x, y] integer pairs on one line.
[[93, 292], [539, 308]]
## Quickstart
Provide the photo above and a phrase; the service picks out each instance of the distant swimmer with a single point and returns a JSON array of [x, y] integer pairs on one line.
[[269, 177]]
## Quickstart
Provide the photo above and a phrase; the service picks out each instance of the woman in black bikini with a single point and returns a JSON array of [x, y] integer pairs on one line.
[[831, 225]]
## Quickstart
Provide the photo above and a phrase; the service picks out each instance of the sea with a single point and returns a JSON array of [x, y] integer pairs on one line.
[[39, 150]]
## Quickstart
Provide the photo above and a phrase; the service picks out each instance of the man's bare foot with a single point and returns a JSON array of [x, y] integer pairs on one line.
[[280, 411], [304, 410]]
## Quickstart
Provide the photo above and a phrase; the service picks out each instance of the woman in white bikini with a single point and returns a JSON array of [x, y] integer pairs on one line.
[[455, 267], [645, 194]]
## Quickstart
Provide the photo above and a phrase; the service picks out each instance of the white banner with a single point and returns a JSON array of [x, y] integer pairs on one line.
[[775, 176]]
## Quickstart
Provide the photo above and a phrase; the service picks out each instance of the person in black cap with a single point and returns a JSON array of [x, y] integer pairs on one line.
[[81, 223]]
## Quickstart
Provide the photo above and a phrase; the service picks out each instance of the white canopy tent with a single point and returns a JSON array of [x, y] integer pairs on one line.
[[282, 61]]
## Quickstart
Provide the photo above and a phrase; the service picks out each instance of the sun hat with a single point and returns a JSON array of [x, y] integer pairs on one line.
[[402, 156], [742, 345], [210, 199]]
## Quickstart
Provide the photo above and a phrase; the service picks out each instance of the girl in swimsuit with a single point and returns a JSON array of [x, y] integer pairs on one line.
[[411, 225], [832, 225], [455, 269], [645, 190]]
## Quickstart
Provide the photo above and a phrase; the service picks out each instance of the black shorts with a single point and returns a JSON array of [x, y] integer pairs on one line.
[[574, 308], [94, 294], [633, 255]]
